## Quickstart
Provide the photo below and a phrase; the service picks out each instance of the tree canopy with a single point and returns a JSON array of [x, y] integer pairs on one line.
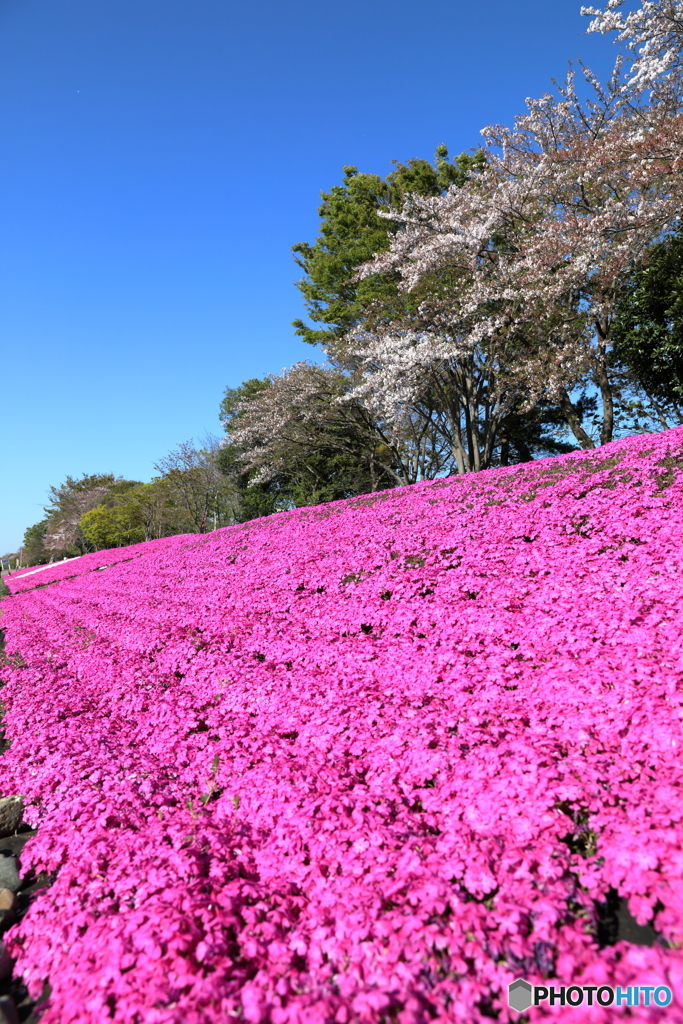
[[648, 323], [288, 442], [352, 230]]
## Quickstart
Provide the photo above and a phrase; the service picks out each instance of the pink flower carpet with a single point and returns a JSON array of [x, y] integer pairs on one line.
[[364, 762]]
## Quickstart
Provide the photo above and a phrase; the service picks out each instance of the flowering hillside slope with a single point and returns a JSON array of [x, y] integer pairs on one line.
[[33, 576], [368, 761]]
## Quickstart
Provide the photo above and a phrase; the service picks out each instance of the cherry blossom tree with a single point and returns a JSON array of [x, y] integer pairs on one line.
[[653, 38], [525, 262], [304, 413], [66, 505], [515, 273]]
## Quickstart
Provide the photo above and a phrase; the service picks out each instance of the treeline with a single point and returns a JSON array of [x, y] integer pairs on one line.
[[199, 487], [191, 494]]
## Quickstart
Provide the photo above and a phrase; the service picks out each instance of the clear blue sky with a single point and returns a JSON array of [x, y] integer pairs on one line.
[[159, 158]]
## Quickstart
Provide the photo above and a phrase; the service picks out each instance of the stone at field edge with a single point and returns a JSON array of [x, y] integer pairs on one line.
[[11, 810], [9, 876], [8, 899]]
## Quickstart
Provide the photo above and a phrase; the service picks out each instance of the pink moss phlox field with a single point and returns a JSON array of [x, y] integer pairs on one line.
[[369, 761], [39, 576]]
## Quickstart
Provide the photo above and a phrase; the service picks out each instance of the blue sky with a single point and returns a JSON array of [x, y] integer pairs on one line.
[[159, 158]]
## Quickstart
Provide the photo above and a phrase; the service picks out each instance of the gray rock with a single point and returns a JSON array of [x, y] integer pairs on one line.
[[9, 876], [11, 810], [8, 1011]]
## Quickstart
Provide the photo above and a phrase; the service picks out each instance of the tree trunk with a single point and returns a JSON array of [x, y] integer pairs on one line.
[[471, 427], [373, 474], [602, 380], [658, 409], [459, 458], [455, 416], [504, 450], [492, 428], [573, 420]]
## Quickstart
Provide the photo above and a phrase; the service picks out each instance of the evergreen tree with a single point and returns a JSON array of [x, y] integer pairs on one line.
[[352, 230]]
